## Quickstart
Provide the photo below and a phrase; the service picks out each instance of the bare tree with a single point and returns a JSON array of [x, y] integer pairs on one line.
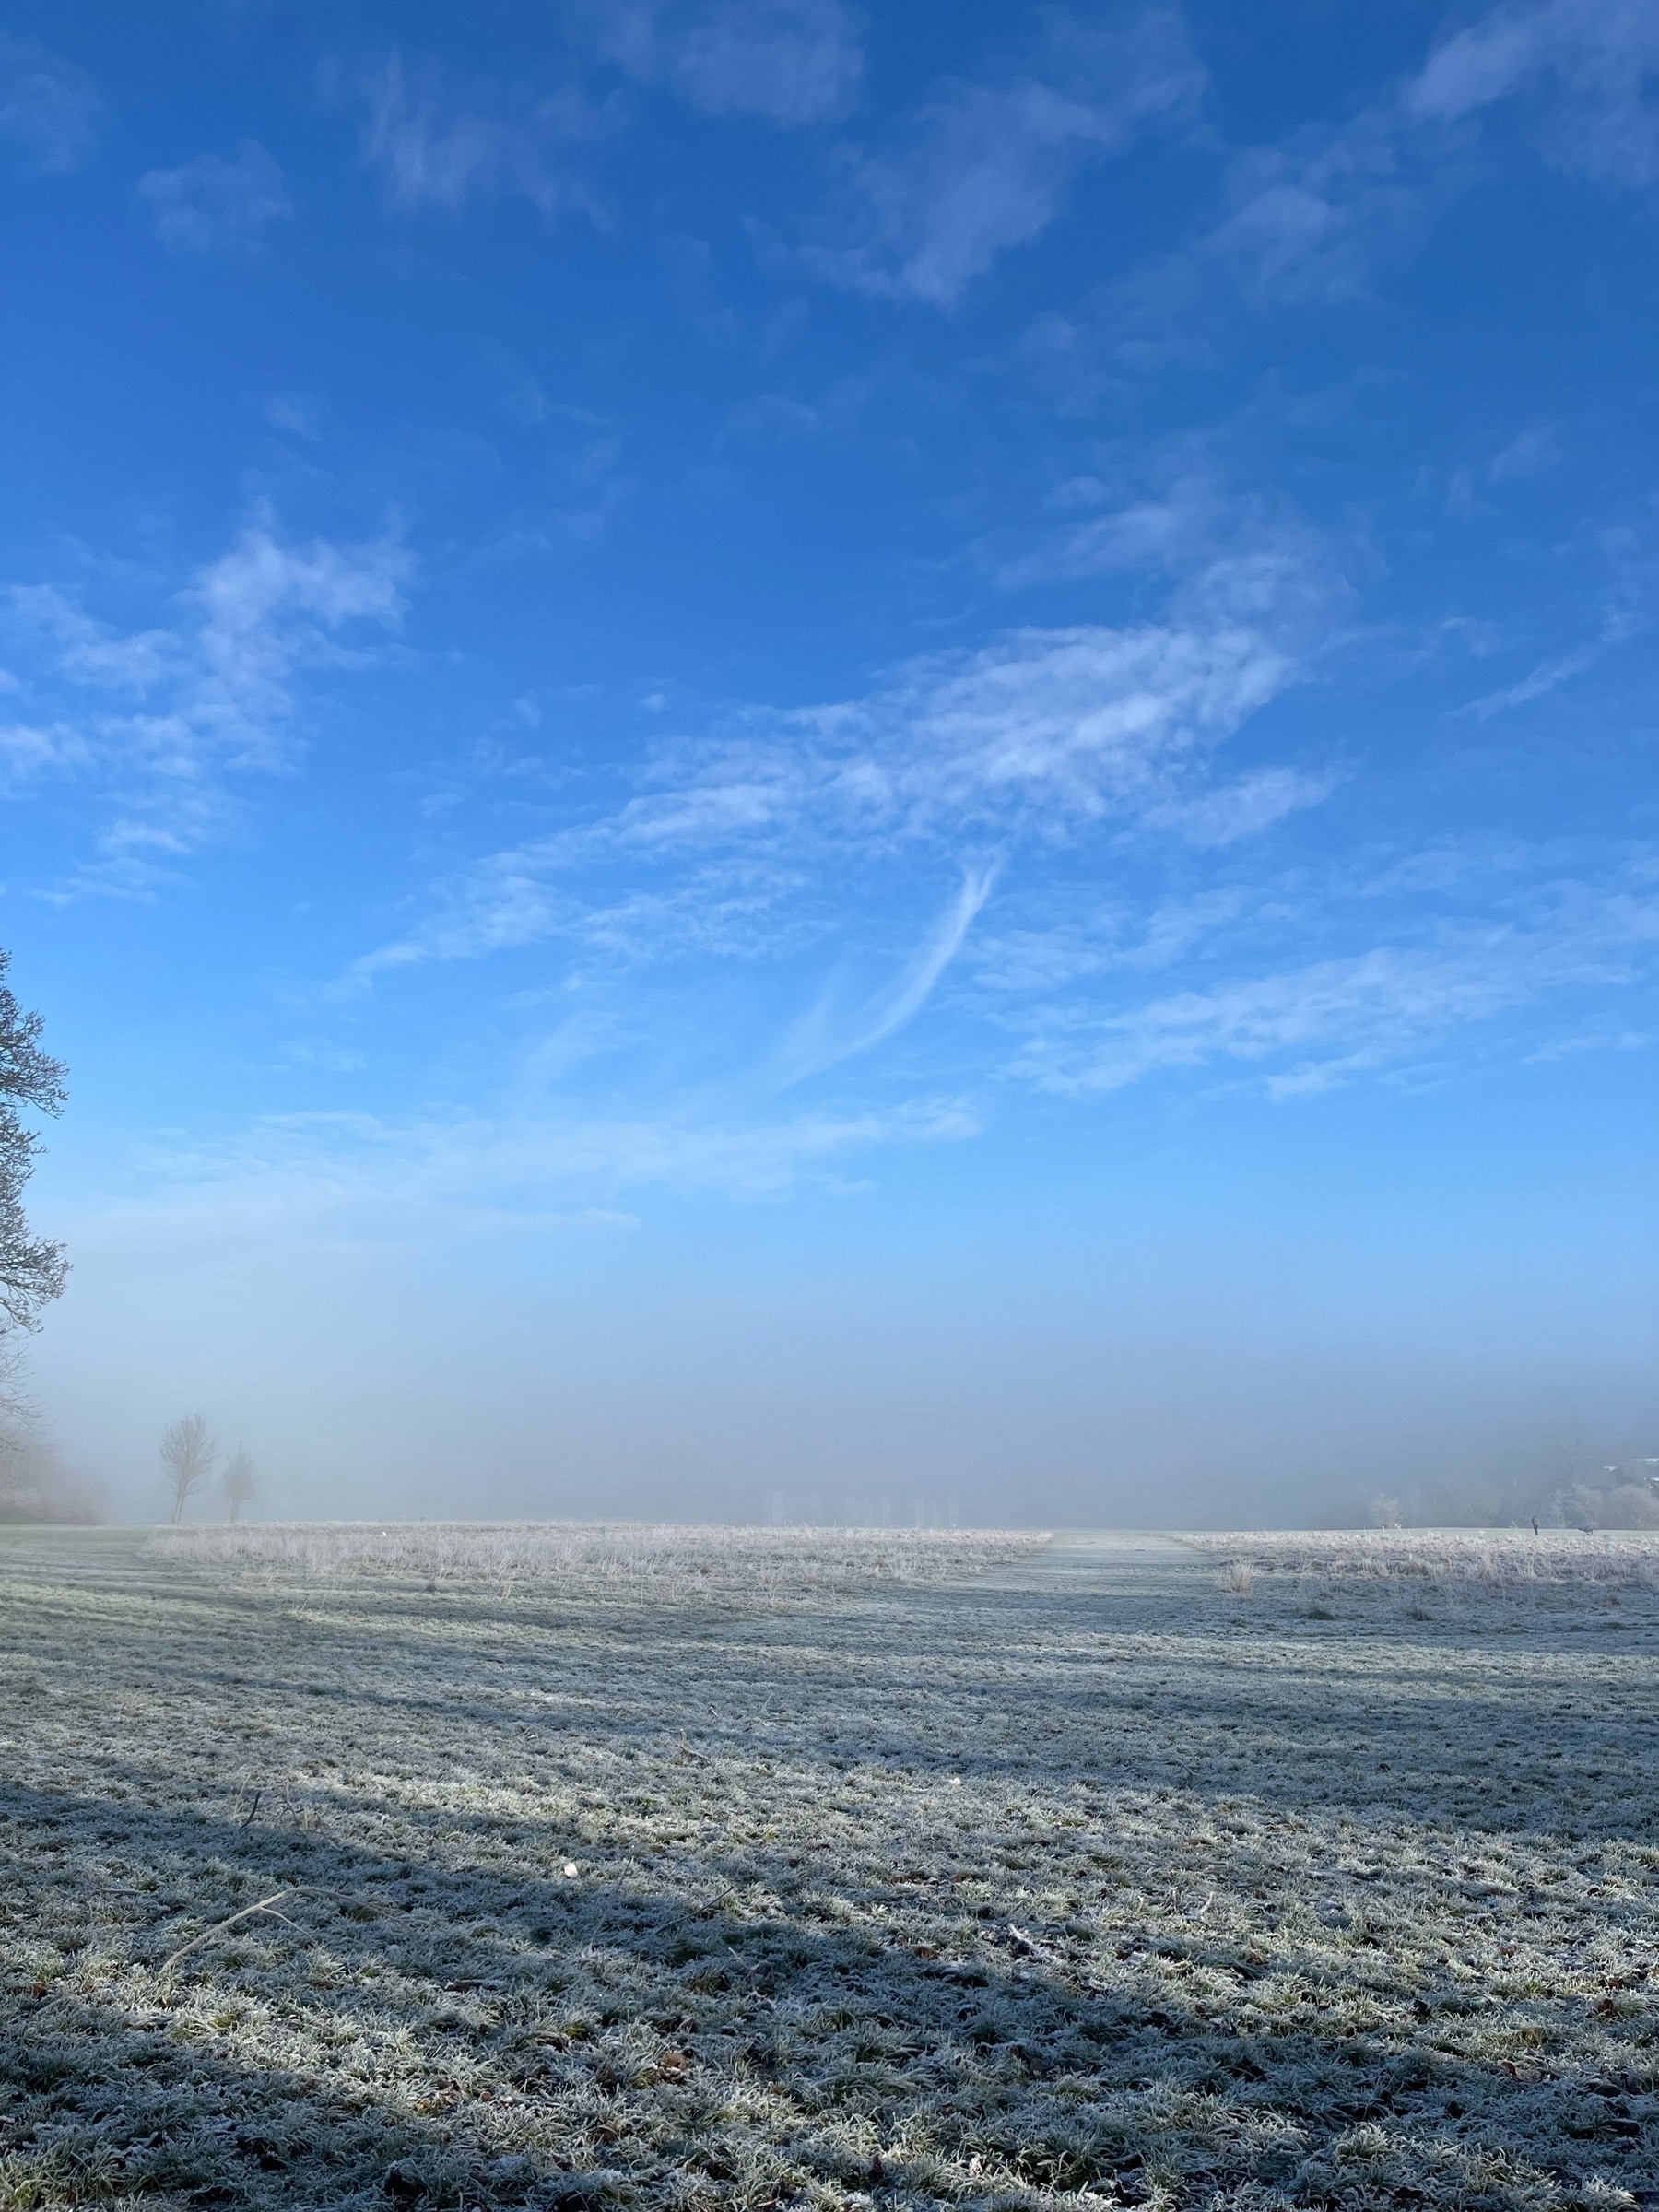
[[241, 1484], [188, 1453], [32, 1268]]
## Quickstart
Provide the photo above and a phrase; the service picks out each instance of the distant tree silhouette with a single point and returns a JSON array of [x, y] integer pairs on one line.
[[188, 1453], [241, 1484]]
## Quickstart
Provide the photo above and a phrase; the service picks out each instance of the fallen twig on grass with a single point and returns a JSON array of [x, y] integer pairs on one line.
[[271, 1788], [264, 1905], [1024, 1944]]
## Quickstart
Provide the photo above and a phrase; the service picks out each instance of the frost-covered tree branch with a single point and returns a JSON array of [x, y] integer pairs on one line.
[[33, 1269]]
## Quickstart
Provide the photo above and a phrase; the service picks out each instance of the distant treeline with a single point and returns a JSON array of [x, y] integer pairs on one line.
[[1606, 1493], [35, 1486]]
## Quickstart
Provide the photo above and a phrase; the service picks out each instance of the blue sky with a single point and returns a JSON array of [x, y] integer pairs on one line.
[[751, 744]]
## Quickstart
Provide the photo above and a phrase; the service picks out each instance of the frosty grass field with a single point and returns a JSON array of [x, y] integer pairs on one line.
[[774, 1869]]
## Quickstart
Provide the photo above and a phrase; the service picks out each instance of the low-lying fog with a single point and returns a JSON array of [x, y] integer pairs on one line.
[[730, 1370]]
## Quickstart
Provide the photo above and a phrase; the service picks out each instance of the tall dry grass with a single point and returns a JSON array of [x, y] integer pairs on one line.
[[664, 1558], [1626, 1558]]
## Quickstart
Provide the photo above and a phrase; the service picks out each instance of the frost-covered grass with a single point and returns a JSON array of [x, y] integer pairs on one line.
[[667, 1558], [1628, 1558], [997, 1892]]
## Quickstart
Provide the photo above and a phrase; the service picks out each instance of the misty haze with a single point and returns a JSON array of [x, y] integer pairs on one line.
[[827, 1302]]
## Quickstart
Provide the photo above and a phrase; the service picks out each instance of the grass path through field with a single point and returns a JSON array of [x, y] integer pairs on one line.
[[1098, 1560]]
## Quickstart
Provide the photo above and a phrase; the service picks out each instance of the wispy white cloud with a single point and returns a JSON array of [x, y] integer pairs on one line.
[[983, 168], [162, 714], [1531, 452], [212, 205], [49, 109], [828, 1033], [437, 141], [1036, 735], [1546, 677], [1051, 725], [1486, 946], [1067, 935], [353, 1180], [1591, 67], [1309, 1026], [29, 751], [1627, 550], [1230, 555], [787, 62], [586, 888], [811, 844], [300, 413], [1316, 218], [1227, 812]]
